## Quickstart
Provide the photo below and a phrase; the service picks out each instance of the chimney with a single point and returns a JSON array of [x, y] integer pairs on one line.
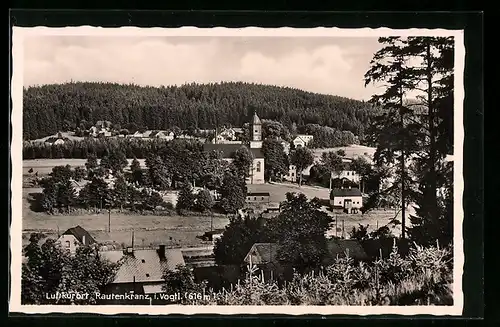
[[161, 252]]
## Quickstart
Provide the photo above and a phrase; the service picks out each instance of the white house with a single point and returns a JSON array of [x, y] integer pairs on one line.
[[292, 174], [302, 140], [349, 199], [74, 238], [164, 135], [286, 147], [348, 173]]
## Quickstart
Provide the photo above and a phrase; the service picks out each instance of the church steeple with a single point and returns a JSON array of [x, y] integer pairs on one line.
[[256, 126]]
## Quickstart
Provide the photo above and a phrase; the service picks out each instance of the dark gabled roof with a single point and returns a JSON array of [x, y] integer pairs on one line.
[[258, 194], [345, 192], [265, 252], [78, 232], [228, 150]]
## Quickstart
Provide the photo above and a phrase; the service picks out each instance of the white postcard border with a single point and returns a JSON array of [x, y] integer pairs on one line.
[[18, 35]]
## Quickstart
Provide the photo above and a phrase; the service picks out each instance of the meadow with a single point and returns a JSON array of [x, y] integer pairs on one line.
[[44, 166], [148, 229]]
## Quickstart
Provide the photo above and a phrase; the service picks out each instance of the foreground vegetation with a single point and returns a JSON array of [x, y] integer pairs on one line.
[[424, 277]]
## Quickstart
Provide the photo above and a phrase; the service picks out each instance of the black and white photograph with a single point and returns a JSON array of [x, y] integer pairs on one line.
[[253, 170]]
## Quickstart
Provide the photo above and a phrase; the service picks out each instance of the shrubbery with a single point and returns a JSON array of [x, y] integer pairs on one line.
[[424, 277]]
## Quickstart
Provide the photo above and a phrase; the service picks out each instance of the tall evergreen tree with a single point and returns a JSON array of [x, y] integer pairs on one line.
[[392, 133]]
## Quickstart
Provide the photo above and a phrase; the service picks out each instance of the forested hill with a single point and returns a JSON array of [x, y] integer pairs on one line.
[[52, 108]]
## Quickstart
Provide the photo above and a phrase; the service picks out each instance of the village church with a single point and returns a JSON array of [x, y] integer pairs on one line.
[[255, 147]]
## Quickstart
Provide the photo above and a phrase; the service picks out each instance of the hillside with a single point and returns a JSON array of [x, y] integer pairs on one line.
[[52, 108]]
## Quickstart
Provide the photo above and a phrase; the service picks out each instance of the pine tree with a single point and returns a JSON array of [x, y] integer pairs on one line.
[[186, 200], [392, 133], [120, 192], [204, 201], [233, 192]]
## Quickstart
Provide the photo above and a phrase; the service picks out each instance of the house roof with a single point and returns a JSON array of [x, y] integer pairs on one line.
[[340, 192], [79, 232], [228, 150], [258, 194], [265, 252], [79, 184], [143, 265]]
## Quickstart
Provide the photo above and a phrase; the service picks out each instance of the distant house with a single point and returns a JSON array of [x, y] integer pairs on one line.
[[347, 173], [228, 134], [55, 141], [213, 235], [137, 134], [261, 254], [292, 174], [78, 185], [164, 135], [104, 134], [74, 238], [349, 199], [302, 140], [147, 134], [141, 271], [286, 147], [258, 197], [103, 124]]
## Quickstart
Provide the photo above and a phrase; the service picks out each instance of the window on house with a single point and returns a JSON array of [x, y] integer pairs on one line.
[[68, 244], [143, 261], [254, 198], [347, 173], [147, 275], [258, 166], [293, 174], [256, 131], [262, 198]]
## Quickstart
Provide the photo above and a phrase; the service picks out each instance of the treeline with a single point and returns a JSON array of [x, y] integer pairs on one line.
[[107, 185], [51, 108], [81, 149]]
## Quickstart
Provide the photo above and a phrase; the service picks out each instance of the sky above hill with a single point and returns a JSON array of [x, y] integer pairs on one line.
[[329, 65]]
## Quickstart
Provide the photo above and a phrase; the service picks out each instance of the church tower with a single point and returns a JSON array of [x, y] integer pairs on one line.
[[256, 132]]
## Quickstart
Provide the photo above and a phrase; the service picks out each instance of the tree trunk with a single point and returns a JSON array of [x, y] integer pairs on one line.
[[300, 180], [403, 179], [432, 132]]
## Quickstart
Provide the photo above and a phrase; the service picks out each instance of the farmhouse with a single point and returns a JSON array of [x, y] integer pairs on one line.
[[258, 197], [141, 271], [302, 140], [74, 238], [349, 199], [78, 185]]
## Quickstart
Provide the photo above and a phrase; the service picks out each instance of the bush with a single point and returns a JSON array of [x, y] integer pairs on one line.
[[422, 278]]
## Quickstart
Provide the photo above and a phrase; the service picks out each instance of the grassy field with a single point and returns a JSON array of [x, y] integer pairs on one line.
[[148, 230], [44, 166], [278, 190], [351, 151]]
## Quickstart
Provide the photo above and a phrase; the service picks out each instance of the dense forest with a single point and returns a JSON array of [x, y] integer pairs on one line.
[[52, 108]]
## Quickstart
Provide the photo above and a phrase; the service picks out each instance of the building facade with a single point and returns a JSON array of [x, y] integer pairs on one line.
[[349, 199]]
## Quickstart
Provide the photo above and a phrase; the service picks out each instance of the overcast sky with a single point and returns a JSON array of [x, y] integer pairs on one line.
[[323, 64]]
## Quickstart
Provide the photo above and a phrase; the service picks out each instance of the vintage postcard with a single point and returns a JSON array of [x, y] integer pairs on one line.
[[237, 171]]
